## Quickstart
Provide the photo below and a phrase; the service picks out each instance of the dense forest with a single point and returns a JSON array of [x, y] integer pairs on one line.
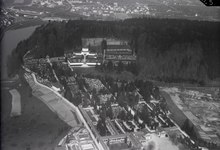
[[167, 49]]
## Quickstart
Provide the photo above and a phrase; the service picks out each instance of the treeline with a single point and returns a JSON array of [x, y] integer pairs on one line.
[[167, 49], [119, 68]]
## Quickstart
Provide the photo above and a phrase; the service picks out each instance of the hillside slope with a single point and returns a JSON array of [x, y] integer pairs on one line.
[[167, 49]]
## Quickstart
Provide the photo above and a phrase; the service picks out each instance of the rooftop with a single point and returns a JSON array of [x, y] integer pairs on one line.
[[85, 50], [121, 47]]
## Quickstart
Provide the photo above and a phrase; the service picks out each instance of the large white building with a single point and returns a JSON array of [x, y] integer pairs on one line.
[[83, 59]]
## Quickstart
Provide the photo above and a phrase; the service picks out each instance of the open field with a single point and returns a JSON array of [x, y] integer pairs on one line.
[[204, 108], [207, 90], [199, 106], [37, 127]]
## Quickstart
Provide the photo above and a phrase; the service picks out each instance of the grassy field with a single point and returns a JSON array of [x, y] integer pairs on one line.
[[37, 126]]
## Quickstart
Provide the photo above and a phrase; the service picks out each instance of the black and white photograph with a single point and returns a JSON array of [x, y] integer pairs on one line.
[[110, 74]]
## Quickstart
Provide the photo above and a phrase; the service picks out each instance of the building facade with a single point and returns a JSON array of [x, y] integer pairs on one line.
[[119, 53], [83, 59]]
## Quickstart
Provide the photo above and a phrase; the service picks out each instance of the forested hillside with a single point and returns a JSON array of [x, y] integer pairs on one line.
[[167, 49]]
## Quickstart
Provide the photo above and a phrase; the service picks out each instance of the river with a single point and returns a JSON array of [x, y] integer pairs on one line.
[[9, 42]]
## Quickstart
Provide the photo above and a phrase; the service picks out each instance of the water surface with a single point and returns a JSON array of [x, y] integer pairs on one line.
[[9, 42]]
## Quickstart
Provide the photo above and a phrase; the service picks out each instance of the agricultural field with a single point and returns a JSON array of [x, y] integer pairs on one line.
[[201, 106], [205, 106]]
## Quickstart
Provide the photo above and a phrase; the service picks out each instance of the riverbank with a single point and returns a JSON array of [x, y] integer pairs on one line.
[[20, 25], [24, 24], [9, 42], [37, 126]]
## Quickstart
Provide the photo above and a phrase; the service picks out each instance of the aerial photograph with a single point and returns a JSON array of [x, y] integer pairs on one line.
[[110, 75]]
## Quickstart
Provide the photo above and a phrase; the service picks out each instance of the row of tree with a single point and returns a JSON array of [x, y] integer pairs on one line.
[[119, 68]]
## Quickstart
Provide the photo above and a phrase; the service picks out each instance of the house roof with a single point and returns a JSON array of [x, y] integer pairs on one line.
[[118, 47]]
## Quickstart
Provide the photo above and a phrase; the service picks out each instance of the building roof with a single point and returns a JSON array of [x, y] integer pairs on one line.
[[91, 41], [118, 47], [88, 146], [98, 41], [85, 50], [115, 136], [91, 57], [71, 79], [57, 85]]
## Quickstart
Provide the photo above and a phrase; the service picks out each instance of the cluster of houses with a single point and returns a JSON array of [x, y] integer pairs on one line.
[[78, 138]]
